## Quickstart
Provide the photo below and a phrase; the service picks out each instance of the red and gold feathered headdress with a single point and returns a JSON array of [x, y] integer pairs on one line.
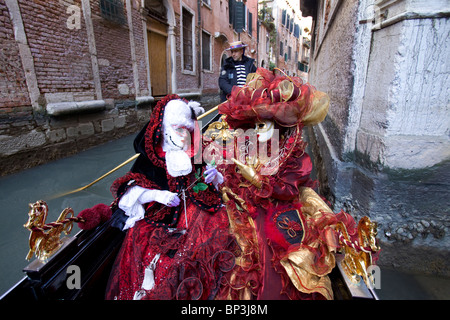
[[283, 99]]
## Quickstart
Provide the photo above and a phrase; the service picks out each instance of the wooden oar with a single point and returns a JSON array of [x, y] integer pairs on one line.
[[119, 166]]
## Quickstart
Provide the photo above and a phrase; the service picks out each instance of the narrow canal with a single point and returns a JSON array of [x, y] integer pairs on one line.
[[43, 183], [47, 180]]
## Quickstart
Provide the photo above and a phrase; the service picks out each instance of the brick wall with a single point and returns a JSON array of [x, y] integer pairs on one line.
[[214, 19], [61, 56], [113, 53], [50, 62], [185, 80], [60, 61], [13, 88], [140, 50]]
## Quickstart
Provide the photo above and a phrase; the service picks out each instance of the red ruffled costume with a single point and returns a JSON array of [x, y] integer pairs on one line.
[[285, 231], [191, 263], [272, 240]]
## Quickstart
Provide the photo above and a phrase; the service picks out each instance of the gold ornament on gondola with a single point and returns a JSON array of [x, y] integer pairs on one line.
[[358, 254], [44, 238]]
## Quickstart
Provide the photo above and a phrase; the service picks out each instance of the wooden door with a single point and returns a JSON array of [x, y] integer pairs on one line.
[[157, 53]]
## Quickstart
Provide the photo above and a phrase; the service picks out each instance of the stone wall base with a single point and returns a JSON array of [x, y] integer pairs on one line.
[[42, 138], [28, 140], [411, 207]]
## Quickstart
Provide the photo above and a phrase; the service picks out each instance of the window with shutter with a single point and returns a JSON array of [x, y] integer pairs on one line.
[[113, 10], [187, 41], [250, 23]]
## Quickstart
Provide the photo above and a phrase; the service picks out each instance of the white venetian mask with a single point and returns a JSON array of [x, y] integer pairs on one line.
[[264, 130], [178, 124]]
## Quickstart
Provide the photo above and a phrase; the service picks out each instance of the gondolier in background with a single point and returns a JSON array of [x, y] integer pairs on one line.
[[235, 69]]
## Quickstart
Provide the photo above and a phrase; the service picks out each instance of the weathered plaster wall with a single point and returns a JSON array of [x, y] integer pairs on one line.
[[383, 150], [405, 114]]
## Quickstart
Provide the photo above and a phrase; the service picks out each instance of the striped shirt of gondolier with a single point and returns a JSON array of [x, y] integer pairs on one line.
[[241, 75]]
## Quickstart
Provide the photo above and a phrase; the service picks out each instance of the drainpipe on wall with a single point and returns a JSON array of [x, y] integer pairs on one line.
[[199, 55]]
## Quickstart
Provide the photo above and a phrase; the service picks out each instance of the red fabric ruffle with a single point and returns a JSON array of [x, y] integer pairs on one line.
[[263, 99], [191, 265]]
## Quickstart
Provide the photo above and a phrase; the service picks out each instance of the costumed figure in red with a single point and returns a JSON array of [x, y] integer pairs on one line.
[[177, 244], [285, 231], [248, 225]]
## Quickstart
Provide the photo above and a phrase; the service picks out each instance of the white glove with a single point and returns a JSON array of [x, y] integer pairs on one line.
[[132, 202], [164, 197], [213, 176]]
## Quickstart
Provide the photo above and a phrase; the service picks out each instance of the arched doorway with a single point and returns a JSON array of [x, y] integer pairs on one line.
[[222, 59]]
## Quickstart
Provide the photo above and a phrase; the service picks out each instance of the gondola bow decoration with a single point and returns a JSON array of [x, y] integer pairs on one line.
[[44, 238], [359, 252]]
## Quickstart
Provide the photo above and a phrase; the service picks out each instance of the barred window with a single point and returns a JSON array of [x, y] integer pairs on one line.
[[113, 10], [188, 63]]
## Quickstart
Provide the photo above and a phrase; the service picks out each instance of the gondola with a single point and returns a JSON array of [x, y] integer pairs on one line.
[[93, 253]]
